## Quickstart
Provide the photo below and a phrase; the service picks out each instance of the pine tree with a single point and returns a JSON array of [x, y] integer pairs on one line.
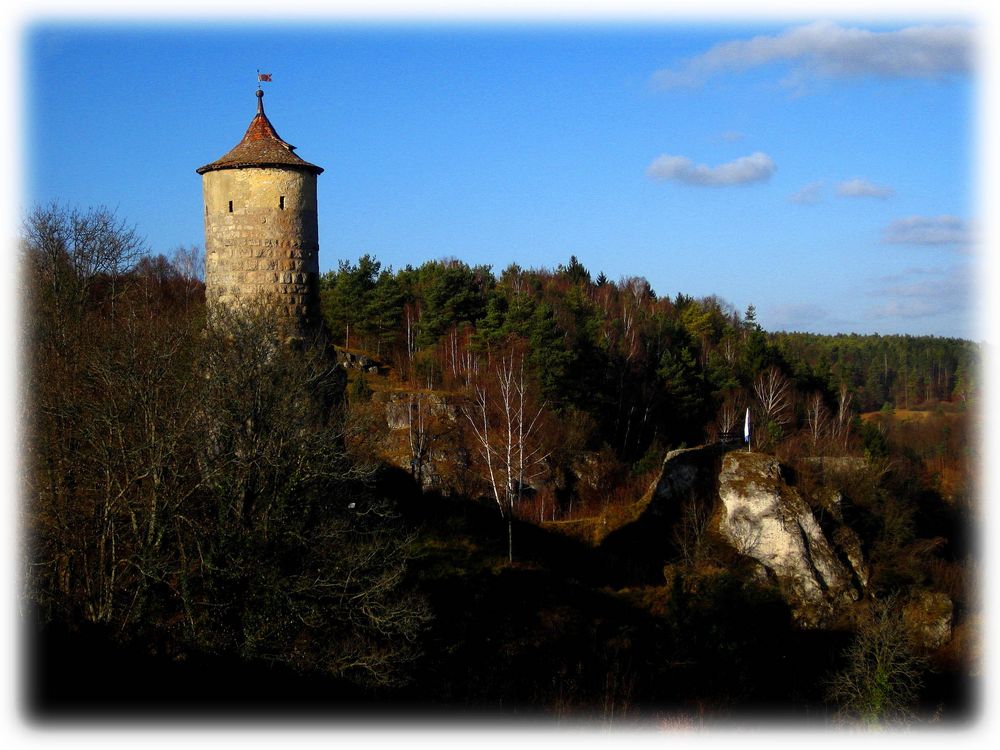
[[575, 271], [345, 298], [384, 310]]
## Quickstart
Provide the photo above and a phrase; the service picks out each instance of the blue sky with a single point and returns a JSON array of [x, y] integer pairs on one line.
[[821, 170]]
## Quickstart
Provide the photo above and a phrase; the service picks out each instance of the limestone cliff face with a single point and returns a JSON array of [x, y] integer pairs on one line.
[[744, 502], [762, 517], [423, 438], [928, 617]]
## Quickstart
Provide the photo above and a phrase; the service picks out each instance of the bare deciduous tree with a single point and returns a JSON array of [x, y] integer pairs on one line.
[[817, 419], [68, 251], [882, 676], [113, 431], [691, 532], [842, 421], [774, 395], [196, 481], [505, 417], [729, 419]]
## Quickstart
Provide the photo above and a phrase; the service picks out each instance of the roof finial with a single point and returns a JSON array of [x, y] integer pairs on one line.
[[260, 145], [260, 91]]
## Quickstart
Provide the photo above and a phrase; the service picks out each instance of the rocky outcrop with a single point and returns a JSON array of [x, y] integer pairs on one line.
[[837, 464], [744, 500], [645, 535], [406, 408], [766, 519], [849, 543], [684, 472], [353, 361], [421, 440], [928, 618], [832, 503]]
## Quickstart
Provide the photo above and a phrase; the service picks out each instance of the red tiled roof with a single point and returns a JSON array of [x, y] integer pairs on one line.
[[260, 147]]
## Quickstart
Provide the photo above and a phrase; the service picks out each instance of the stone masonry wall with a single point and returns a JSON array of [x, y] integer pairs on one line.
[[268, 243]]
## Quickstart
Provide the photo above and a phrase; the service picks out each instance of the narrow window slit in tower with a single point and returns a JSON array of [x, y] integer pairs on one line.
[[230, 206], [281, 202]]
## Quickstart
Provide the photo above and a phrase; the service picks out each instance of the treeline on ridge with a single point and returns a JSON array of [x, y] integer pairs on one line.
[[638, 371]]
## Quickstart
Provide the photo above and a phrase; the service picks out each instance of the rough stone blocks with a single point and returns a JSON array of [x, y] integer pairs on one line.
[[262, 238]]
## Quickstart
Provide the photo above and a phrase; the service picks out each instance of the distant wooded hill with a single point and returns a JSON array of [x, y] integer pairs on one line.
[[902, 371]]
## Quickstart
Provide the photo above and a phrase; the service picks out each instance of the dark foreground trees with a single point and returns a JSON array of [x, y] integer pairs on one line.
[[305, 564], [190, 479], [883, 674]]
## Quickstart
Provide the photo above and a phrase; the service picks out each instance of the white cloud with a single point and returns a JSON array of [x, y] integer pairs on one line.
[[928, 230], [860, 188], [732, 136], [826, 49], [808, 194], [756, 167]]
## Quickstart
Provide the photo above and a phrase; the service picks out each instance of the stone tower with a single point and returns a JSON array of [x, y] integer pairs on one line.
[[261, 230]]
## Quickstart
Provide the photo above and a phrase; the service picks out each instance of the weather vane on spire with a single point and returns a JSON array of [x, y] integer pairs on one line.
[[262, 77]]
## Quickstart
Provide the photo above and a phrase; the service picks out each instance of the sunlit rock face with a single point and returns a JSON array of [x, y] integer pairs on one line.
[[928, 617], [847, 541], [762, 517]]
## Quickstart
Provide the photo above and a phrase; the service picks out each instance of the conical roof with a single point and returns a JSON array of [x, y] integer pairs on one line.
[[260, 147]]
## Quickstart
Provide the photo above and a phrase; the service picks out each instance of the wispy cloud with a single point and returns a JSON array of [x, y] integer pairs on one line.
[[922, 293], [928, 230], [756, 167], [732, 136], [860, 188], [808, 194], [828, 50], [797, 316]]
